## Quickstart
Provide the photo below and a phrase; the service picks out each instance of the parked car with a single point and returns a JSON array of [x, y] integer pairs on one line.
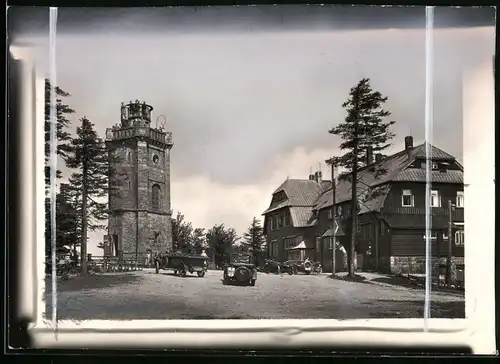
[[240, 273], [271, 266], [288, 268], [317, 268], [181, 264], [299, 266]]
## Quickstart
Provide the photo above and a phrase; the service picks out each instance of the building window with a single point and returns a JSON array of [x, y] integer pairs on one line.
[[433, 235], [129, 157], [445, 236], [126, 185], [330, 243], [407, 199], [459, 238], [155, 197], [435, 166], [460, 199], [435, 199], [330, 214], [287, 219], [276, 249], [339, 211], [274, 225]]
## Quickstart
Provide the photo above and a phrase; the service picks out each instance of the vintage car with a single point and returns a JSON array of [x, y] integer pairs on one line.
[[271, 266], [240, 271], [306, 267], [181, 264]]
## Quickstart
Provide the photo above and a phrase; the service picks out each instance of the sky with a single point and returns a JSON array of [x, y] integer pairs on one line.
[[250, 98]]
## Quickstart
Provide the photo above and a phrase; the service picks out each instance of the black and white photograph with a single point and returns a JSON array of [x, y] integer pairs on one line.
[[254, 162]]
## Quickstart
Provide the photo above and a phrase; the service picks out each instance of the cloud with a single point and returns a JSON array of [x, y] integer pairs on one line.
[[249, 108]]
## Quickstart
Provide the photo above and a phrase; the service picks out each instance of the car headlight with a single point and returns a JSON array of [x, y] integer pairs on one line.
[[230, 272]]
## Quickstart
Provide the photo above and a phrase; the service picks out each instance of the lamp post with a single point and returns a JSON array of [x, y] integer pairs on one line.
[[451, 208], [334, 225]]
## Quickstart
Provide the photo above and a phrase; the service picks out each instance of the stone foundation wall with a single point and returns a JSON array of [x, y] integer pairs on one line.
[[416, 265]]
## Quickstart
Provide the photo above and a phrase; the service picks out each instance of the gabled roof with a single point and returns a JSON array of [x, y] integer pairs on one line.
[[300, 193], [420, 175], [300, 216], [396, 167], [435, 153]]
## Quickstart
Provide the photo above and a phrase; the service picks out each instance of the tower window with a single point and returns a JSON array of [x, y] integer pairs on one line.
[[155, 197]]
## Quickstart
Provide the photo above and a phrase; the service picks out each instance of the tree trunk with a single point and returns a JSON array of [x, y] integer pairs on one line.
[[83, 248], [354, 216]]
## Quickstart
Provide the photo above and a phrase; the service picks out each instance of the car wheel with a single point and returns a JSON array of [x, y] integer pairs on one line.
[[182, 273], [308, 272], [290, 271], [201, 273], [252, 282], [157, 267]]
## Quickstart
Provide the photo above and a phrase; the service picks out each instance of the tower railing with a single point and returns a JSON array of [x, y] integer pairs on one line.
[[130, 132]]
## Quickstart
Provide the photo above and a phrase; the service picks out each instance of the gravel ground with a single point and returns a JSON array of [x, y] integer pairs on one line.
[[146, 295]]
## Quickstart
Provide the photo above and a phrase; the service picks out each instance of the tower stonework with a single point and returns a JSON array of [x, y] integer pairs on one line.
[[139, 180]]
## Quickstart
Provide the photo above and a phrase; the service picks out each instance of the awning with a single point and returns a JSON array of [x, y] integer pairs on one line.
[[302, 245]]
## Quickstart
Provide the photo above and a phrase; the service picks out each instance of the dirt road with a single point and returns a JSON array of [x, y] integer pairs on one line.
[[146, 295]]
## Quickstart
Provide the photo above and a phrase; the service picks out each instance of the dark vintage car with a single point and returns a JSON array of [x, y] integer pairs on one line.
[[306, 267], [273, 266], [240, 271], [181, 264]]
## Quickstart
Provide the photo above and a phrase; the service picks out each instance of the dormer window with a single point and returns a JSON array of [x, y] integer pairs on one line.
[[434, 166]]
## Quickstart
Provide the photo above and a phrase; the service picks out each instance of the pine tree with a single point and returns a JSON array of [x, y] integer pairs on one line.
[[254, 239], [62, 124], [63, 144], [90, 158], [364, 127], [67, 232]]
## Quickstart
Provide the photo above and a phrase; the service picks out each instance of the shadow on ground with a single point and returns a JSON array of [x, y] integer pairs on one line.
[[355, 279], [405, 282], [98, 281], [415, 309]]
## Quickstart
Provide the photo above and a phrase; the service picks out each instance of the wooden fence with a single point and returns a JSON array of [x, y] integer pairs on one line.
[[128, 262]]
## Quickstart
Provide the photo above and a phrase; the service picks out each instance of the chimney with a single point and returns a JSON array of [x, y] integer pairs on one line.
[[369, 155], [318, 177], [378, 158], [408, 143]]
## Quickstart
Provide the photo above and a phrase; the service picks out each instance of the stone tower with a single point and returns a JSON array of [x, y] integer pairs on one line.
[[139, 196]]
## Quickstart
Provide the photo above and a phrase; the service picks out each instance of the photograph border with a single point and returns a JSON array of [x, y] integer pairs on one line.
[[476, 331]]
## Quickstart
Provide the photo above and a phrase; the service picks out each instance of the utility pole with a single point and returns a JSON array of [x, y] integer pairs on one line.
[[450, 239], [334, 225]]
